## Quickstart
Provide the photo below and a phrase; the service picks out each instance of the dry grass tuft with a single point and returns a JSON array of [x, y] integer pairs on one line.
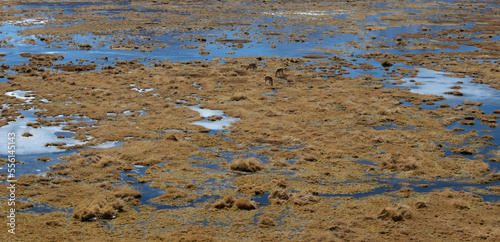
[[265, 222], [27, 134], [126, 191], [244, 204], [173, 193], [227, 202], [44, 159], [395, 214], [247, 165], [98, 208]]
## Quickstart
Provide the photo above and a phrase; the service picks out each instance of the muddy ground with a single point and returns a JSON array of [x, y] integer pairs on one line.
[[310, 156]]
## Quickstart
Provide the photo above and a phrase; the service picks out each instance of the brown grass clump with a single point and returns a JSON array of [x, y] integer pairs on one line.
[[302, 199], [26, 180], [314, 56], [247, 165], [395, 214], [463, 151], [226, 202], [172, 193], [27, 134], [172, 137], [265, 222], [44, 159], [454, 93], [467, 122], [150, 152], [93, 209], [126, 191], [386, 64], [487, 137], [220, 204], [420, 205], [20, 205], [459, 204], [33, 125], [405, 192], [190, 186], [280, 163], [53, 223], [55, 144], [281, 183], [238, 97], [278, 196], [471, 103], [229, 202], [309, 158], [399, 162], [106, 162], [244, 204], [214, 118]]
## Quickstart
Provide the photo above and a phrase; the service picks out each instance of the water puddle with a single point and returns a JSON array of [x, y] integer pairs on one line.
[[31, 140], [438, 83], [44, 208], [40, 147], [149, 193], [218, 124], [473, 94]]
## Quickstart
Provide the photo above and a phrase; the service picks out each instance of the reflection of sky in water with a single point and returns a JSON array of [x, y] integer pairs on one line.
[[175, 53], [437, 83], [36, 143], [213, 125], [31, 165]]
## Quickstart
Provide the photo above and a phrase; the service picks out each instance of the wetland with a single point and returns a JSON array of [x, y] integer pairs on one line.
[[157, 120]]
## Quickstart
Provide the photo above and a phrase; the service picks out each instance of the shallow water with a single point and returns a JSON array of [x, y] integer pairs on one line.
[[36, 144], [225, 122], [174, 51], [44, 208], [438, 83]]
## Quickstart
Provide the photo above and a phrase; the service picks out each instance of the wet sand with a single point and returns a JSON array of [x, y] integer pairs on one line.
[[162, 126]]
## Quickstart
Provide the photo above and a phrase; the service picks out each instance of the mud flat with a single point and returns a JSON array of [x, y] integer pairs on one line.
[[152, 120]]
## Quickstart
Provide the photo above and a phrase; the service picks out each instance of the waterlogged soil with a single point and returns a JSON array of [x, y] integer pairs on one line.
[[352, 141]]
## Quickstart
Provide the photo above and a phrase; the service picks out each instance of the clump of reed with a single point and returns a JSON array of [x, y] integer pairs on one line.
[[246, 165]]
